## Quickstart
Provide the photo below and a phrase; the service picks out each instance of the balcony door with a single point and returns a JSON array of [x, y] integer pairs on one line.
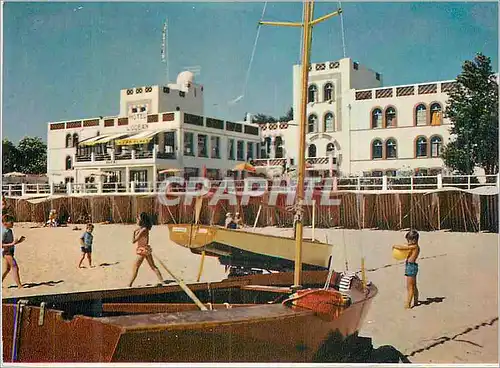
[[140, 178]]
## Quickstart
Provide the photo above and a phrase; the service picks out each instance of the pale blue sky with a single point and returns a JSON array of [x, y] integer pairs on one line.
[[61, 62]]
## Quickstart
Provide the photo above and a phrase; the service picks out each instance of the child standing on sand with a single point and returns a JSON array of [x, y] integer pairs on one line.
[[8, 245], [143, 249], [411, 267], [86, 241]]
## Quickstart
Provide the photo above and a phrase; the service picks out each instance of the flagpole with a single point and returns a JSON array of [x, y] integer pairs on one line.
[[164, 50]]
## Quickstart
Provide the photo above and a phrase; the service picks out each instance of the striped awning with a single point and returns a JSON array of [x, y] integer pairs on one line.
[[92, 141], [140, 138], [110, 138]]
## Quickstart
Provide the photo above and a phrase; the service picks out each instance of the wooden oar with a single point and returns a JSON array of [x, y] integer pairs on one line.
[[184, 287]]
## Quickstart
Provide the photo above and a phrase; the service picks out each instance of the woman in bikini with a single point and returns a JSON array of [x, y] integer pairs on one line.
[[143, 249]]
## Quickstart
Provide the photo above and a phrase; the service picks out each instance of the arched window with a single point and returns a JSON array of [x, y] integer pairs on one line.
[[312, 93], [278, 147], [421, 147], [376, 118], [421, 115], [69, 164], [69, 141], [312, 124], [267, 146], [311, 150], [377, 149], [436, 146], [329, 123], [330, 149], [436, 113], [75, 140], [328, 92], [390, 117], [391, 148]]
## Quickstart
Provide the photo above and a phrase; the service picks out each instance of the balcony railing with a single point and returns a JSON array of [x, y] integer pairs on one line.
[[125, 155], [382, 183]]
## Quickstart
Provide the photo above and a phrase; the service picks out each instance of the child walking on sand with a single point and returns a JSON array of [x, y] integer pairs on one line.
[[8, 245], [143, 249], [86, 241], [411, 267]]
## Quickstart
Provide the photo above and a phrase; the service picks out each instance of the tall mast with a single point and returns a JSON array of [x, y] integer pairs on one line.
[[307, 25]]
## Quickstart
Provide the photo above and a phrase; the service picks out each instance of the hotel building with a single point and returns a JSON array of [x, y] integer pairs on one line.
[[158, 128]]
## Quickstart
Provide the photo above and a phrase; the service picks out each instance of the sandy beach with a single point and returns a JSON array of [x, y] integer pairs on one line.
[[458, 281]]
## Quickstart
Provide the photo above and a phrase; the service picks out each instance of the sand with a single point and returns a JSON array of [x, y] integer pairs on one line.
[[458, 281]]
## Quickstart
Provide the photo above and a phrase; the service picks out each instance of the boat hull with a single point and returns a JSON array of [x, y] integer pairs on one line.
[[163, 331], [248, 249]]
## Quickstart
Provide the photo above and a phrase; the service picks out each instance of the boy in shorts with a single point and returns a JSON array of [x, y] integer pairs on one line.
[[86, 245], [411, 267]]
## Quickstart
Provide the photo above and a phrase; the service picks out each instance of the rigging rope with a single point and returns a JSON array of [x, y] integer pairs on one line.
[[247, 76], [342, 27]]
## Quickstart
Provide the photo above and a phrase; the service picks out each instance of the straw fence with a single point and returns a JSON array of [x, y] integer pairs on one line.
[[446, 210]]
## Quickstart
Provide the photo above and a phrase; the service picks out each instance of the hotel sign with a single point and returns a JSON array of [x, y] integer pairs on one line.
[[137, 121]]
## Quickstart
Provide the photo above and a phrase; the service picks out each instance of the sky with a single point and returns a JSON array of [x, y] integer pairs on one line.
[[65, 61]]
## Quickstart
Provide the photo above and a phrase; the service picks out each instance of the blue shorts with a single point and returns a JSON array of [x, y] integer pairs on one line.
[[411, 269]]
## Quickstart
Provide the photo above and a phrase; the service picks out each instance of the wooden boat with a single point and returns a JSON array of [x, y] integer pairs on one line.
[[246, 249], [251, 319], [255, 318]]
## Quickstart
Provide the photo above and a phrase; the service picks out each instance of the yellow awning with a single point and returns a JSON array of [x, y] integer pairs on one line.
[[140, 138]]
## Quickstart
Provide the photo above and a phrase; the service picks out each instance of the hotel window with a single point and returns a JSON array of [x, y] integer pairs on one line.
[[69, 141], [330, 149], [188, 144], [230, 149], [311, 150], [215, 146], [250, 151], [258, 151], [436, 114], [312, 123], [266, 148], [328, 92], [390, 172], [329, 123], [377, 173], [69, 164], [391, 148], [421, 147], [390, 117], [169, 140], [278, 147], [240, 151], [75, 140], [436, 146], [376, 149], [376, 118], [202, 145], [421, 115], [312, 95]]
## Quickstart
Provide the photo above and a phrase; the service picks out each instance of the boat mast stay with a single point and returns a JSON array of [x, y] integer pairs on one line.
[[307, 25]]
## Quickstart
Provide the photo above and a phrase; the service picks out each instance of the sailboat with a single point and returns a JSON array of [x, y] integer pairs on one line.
[[273, 317]]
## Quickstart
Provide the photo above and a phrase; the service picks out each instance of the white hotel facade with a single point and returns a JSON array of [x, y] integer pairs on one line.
[[158, 128], [356, 126]]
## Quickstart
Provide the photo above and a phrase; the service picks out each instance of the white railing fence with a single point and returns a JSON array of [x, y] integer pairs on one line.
[[382, 183]]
